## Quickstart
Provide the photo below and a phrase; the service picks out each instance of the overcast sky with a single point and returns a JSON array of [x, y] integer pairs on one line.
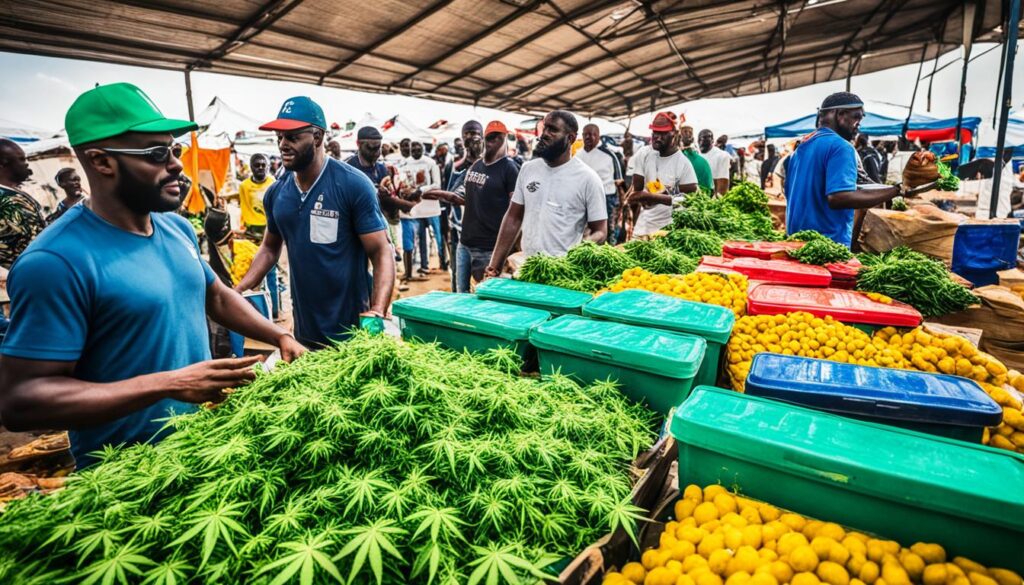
[[38, 91]]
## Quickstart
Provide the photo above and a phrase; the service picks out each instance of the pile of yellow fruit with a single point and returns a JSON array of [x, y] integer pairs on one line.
[[244, 252], [930, 351], [720, 538], [804, 335], [726, 290]]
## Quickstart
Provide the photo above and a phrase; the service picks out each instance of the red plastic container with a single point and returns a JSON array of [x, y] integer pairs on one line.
[[762, 250], [844, 274], [770, 271], [844, 305]]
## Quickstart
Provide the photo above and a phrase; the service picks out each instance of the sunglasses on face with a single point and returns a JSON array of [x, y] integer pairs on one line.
[[154, 154]]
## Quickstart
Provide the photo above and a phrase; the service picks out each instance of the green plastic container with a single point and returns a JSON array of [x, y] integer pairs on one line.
[[553, 299], [641, 307], [462, 321], [652, 366], [896, 483]]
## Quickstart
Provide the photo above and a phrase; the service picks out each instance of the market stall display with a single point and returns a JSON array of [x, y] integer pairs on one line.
[[939, 404], [726, 290], [244, 252], [372, 461], [762, 250], [741, 214], [719, 535], [652, 366], [882, 480], [463, 322], [644, 308], [915, 279]]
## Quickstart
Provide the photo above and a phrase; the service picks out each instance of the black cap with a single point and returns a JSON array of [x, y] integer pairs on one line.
[[473, 125], [368, 133], [842, 100]]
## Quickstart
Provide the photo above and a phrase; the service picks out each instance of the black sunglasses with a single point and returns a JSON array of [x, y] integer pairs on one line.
[[154, 154]]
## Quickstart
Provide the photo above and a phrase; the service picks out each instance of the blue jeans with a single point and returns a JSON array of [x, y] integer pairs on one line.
[[470, 262], [435, 224], [275, 293], [612, 202], [409, 227]]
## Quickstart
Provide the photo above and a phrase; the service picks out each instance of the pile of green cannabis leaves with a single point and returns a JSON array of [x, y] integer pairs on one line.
[[370, 462]]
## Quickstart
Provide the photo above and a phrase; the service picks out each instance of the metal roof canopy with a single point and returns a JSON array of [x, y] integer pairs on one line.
[[611, 58]]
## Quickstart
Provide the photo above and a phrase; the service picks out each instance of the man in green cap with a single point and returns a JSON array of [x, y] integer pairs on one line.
[[108, 331]]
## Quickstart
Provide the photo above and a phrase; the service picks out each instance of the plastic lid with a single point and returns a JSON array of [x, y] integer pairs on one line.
[[774, 271], [762, 250], [873, 460], [873, 392], [641, 307], [844, 305], [844, 270], [465, 311], [539, 295], [674, 355]]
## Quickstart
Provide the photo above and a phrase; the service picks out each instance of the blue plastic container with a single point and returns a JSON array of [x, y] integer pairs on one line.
[[980, 250], [939, 404]]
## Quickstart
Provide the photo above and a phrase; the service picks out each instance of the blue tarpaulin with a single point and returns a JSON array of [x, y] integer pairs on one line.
[[872, 125], [1014, 139]]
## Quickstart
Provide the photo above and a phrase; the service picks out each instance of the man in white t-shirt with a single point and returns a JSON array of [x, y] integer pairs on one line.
[[666, 164], [556, 198], [604, 162], [717, 158], [421, 172]]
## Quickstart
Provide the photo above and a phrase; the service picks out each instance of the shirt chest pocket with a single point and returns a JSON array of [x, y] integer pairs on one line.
[[323, 230]]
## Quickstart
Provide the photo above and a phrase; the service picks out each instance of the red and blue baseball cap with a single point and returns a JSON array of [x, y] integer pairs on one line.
[[297, 112]]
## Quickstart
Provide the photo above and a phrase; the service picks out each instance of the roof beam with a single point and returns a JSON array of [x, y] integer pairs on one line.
[[387, 38], [502, 23], [266, 16], [596, 60], [856, 33], [582, 12]]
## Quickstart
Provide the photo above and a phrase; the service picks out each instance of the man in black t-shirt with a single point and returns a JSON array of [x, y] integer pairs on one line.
[[485, 193]]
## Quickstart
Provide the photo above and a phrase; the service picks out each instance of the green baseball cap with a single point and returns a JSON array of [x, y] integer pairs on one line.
[[111, 110]]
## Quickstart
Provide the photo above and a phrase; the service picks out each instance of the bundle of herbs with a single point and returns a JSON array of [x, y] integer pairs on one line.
[[658, 257], [741, 214], [369, 462], [915, 279], [821, 252], [694, 243]]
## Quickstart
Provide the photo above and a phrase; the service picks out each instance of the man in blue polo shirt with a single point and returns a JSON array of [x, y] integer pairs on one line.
[[108, 330], [327, 213], [821, 178]]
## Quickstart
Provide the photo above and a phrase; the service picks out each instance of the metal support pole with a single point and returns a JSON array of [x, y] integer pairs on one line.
[[917, 82], [188, 95], [970, 10], [1012, 24]]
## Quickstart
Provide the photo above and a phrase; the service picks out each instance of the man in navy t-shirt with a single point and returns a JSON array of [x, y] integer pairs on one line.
[[327, 213], [821, 177], [108, 329]]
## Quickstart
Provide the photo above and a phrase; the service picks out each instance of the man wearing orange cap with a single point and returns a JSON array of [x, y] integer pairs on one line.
[[660, 177]]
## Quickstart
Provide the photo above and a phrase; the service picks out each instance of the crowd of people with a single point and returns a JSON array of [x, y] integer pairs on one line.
[[112, 302]]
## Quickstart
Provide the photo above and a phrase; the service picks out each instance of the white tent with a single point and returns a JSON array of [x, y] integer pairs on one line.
[[19, 132], [221, 125]]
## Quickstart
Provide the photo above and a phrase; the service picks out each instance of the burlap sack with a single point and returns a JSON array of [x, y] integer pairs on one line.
[[1001, 316], [920, 170], [924, 228]]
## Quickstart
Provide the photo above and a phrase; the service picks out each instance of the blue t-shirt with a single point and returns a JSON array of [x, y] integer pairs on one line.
[[376, 172], [823, 164], [326, 259], [119, 304]]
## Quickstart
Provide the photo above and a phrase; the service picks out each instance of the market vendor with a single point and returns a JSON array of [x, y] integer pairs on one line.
[[821, 176], [326, 212], [667, 167], [557, 198], [108, 332]]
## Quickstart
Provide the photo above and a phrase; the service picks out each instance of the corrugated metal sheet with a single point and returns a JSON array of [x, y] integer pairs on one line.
[[600, 57]]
